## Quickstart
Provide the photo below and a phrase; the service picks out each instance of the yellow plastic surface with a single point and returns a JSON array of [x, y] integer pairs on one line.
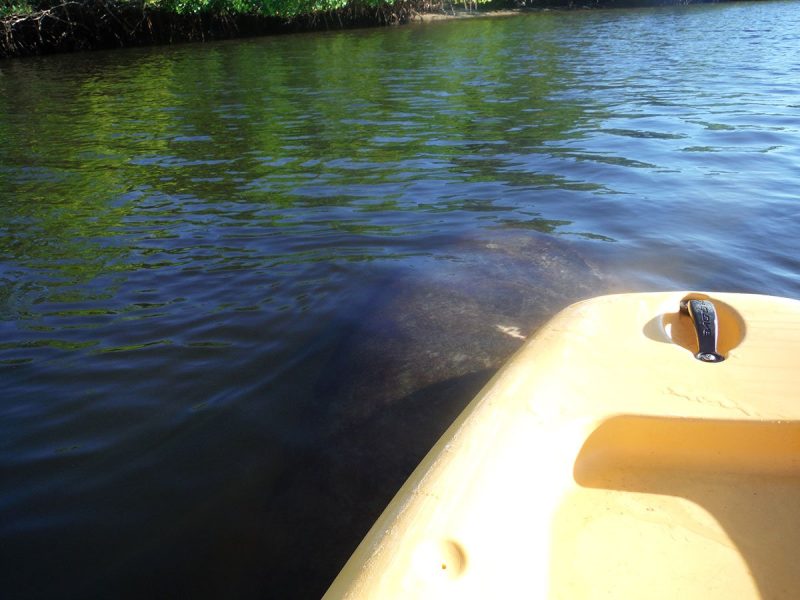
[[605, 461]]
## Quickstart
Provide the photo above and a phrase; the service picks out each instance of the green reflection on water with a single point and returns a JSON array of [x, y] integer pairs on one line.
[[227, 154]]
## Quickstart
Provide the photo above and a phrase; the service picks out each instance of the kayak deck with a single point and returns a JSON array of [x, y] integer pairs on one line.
[[604, 460]]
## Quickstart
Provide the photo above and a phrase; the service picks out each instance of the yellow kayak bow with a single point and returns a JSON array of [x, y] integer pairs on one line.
[[610, 459]]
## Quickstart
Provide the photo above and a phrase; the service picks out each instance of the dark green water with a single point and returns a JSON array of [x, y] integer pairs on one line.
[[244, 286]]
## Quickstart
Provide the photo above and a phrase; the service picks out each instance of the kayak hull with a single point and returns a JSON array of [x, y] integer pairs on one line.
[[604, 460]]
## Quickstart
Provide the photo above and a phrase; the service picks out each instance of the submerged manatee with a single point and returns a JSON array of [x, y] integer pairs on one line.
[[464, 314], [427, 344]]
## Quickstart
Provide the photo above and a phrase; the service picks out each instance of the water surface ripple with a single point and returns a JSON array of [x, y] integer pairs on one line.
[[245, 285]]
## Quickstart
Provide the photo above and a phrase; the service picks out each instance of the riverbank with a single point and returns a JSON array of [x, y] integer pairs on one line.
[[99, 24], [466, 14], [77, 25]]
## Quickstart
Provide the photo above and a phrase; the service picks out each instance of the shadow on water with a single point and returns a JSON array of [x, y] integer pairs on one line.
[[308, 507]]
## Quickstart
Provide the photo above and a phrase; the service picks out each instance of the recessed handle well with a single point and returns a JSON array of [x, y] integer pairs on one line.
[[679, 327]]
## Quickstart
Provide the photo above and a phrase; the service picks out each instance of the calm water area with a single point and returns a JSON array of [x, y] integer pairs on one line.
[[244, 286]]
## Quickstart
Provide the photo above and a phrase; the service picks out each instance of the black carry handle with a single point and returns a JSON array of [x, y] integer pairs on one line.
[[704, 317]]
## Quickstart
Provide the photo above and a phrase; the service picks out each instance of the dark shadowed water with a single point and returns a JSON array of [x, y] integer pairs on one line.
[[244, 286]]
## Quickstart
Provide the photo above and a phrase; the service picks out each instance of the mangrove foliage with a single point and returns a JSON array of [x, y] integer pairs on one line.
[[45, 26]]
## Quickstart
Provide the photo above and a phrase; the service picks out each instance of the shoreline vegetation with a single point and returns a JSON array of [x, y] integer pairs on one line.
[[35, 27]]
